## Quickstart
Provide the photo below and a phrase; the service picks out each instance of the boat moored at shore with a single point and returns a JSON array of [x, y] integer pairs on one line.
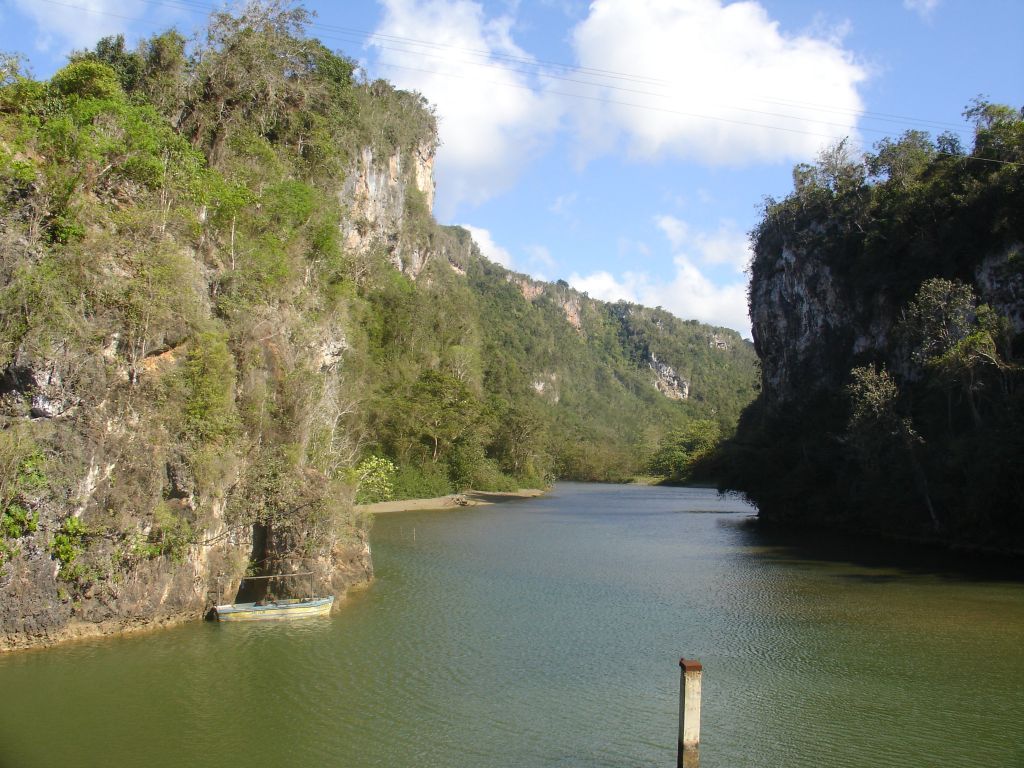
[[275, 610]]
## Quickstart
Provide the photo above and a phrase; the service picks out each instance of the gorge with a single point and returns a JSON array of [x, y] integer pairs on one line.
[[223, 292]]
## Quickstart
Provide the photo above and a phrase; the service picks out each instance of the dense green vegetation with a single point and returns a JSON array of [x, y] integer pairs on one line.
[[918, 430], [507, 392], [189, 342]]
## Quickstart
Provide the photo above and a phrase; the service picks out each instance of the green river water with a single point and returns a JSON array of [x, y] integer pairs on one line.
[[547, 633]]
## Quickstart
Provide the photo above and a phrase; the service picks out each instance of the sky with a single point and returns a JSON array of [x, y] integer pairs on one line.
[[627, 146]]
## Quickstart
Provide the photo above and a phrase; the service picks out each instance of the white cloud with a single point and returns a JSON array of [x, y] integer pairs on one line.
[[540, 255], [79, 25], [702, 81], [718, 84], [727, 245], [674, 229], [492, 119], [922, 8], [690, 293], [488, 247], [605, 286]]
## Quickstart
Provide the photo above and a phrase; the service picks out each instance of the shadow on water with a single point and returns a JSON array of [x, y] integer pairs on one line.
[[876, 560]]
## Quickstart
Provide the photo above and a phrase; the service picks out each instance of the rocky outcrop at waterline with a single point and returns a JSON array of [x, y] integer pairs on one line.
[[887, 309], [112, 522]]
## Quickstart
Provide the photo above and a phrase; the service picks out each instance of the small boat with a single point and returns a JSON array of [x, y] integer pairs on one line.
[[275, 610]]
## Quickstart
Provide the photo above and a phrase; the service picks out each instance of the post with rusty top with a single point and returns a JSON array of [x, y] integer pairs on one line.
[[689, 713]]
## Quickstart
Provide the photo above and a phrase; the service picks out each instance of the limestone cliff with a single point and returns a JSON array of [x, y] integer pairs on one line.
[[176, 393], [887, 308], [193, 416], [811, 327], [568, 300], [808, 326], [376, 197], [134, 524]]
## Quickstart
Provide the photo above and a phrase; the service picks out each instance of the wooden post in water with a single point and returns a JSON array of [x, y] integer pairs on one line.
[[689, 713]]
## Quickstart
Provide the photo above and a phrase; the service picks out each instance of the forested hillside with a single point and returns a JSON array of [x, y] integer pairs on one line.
[[887, 301], [226, 312]]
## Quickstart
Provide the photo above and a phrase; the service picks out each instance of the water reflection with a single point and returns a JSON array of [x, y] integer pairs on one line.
[[547, 633], [891, 558]]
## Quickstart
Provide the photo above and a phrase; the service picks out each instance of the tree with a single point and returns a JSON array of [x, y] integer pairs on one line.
[[253, 70], [519, 443], [88, 80], [209, 378], [443, 409], [128, 65], [13, 66], [685, 447], [902, 161], [998, 130], [955, 341], [879, 435], [836, 170], [940, 315]]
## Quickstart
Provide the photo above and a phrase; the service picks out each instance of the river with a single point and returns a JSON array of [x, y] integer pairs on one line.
[[547, 632]]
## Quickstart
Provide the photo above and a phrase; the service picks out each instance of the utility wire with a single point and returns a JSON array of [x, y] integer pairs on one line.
[[614, 75], [832, 137], [659, 95], [352, 35], [360, 37]]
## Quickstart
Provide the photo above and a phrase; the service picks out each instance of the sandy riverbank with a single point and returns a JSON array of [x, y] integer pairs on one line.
[[451, 501]]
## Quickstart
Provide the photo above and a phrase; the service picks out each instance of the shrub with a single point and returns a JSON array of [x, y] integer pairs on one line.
[[209, 379], [22, 468], [67, 546], [424, 481], [171, 535], [87, 79], [374, 476]]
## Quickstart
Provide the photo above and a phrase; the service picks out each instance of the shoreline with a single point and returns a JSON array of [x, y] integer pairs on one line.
[[451, 501]]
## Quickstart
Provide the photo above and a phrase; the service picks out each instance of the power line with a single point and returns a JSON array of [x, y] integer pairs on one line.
[[624, 103], [831, 137], [612, 74], [662, 95], [358, 36], [347, 34]]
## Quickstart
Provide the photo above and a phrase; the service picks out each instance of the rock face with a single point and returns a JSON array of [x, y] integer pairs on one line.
[[134, 524], [134, 527], [376, 196], [668, 382], [810, 327], [859, 423], [1001, 286], [800, 320], [123, 573], [36, 389], [546, 386], [570, 301]]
